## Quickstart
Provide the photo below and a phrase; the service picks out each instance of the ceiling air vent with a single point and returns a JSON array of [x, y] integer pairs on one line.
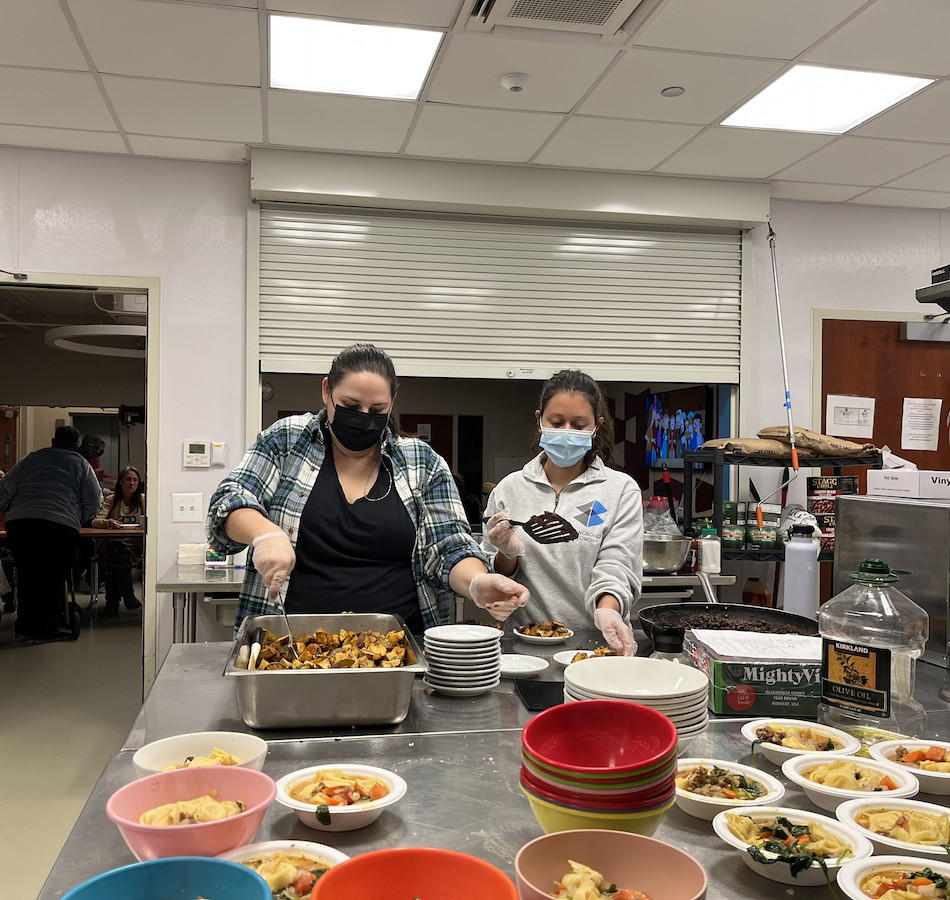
[[598, 18]]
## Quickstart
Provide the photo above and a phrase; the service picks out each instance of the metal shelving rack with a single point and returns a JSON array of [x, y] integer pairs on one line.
[[719, 459]]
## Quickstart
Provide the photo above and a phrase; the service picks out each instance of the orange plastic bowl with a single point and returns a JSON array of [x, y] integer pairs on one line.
[[419, 872], [254, 789], [599, 737]]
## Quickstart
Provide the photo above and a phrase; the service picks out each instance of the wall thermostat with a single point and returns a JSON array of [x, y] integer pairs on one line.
[[197, 455]]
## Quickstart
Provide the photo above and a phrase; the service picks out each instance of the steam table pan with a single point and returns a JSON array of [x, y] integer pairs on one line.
[[325, 698]]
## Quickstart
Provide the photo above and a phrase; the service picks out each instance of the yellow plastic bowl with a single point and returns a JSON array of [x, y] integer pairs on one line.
[[553, 818]]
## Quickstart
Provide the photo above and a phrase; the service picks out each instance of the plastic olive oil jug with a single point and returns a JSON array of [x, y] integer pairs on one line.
[[871, 637]]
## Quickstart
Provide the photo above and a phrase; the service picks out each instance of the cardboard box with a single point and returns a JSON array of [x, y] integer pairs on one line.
[[753, 674], [913, 483]]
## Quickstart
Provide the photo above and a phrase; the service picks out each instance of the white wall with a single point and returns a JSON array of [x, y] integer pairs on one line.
[[183, 223]]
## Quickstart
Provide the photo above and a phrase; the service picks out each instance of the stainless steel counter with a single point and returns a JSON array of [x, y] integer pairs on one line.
[[187, 585], [459, 756]]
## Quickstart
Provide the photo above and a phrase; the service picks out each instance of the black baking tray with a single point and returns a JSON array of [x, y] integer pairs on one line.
[[539, 695]]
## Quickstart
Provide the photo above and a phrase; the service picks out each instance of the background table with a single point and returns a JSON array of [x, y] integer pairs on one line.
[[187, 585], [104, 534]]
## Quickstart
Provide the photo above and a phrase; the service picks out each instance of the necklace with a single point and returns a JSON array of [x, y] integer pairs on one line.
[[369, 482]]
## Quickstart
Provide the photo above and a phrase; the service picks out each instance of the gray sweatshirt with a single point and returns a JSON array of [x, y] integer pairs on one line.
[[604, 506], [52, 484]]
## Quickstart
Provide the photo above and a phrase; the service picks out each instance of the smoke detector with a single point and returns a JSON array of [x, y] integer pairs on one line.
[[515, 82]]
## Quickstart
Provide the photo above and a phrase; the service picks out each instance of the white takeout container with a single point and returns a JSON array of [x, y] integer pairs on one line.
[[848, 812], [308, 849], [851, 877], [173, 751], [777, 754], [830, 798], [342, 818], [930, 782], [861, 847], [708, 807]]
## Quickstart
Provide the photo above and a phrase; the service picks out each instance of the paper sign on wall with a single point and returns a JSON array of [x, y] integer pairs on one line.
[[851, 417], [920, 423], [424, 431]]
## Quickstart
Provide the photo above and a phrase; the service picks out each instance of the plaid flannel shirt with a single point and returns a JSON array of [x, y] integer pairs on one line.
[[276, 475]]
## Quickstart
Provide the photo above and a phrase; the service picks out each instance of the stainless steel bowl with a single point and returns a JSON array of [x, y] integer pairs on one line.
[[664, 553]]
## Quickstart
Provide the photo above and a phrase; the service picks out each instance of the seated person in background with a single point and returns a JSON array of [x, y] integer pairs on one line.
[[125, 507]]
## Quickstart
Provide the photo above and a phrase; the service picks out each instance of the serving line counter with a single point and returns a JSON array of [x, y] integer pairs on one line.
[[459, 756]]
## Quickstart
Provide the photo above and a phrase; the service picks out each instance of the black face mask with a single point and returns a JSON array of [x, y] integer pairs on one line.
[[357, 430]]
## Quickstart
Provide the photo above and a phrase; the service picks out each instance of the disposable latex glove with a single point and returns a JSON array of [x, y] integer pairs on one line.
[[274, 558], [499, 595], [617, 633], [503, 535]]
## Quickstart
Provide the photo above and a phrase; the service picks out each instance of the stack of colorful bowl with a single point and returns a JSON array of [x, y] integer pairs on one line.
[[599, 764], [678, 691]]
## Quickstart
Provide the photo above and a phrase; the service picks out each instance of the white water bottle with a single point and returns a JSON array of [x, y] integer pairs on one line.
[[800, 573]]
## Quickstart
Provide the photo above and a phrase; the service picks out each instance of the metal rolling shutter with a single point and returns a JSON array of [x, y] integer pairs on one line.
[[479, 297]]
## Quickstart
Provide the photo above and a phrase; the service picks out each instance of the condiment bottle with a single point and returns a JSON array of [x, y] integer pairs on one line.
[[710, 551], [668, 643], [755, 593], [871, 636], [800, 573]]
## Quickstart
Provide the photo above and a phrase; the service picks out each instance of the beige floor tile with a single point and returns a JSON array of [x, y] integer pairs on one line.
[[65, 708]]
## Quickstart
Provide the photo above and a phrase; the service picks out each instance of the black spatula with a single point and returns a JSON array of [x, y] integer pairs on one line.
[[548, 528]]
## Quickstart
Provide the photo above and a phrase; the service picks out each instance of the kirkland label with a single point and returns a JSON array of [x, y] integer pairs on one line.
[[856, 677]]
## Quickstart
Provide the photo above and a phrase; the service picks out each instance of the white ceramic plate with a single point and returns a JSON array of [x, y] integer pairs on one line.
[[930, 782], [708, 807], [462, 634], [468, 681], [848, 811], [342, 818], [564, 657], [535, 639], [780, 872], [777, 754], [519, 665], [459, 691]]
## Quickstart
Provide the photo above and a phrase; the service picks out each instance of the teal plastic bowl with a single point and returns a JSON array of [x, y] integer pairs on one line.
[[175, 878]]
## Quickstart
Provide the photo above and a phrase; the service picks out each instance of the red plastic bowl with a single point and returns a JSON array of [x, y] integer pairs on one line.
[[254, 789], [586, 803], [599, 785], [423, 872], [599, 737], [662, 788]]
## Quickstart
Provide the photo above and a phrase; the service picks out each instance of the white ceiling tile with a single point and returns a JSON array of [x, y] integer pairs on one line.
[[924, 116], [912, 199], [892, 36], [62, 139], [742, 152], [456, 132], [714, 84], [37, 34], [770, 28], [171, 40], [802, 190], [175, 109], [55, 99], [217, 151], [469, 72], [933, 177], [334, 122], [854, 160], [431, 13], [613, 144]]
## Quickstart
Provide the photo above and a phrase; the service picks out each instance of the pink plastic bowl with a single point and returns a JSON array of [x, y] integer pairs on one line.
[[254, 789], [599, 737], [585, 803]]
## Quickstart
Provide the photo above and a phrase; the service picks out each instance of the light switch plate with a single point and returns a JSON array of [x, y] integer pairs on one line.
[[188, 508]]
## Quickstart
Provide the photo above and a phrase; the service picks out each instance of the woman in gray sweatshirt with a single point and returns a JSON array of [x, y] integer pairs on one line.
[[599, 574]]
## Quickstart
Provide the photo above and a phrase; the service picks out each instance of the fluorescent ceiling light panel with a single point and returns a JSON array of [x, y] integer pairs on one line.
[[342, 58], [828, 101]]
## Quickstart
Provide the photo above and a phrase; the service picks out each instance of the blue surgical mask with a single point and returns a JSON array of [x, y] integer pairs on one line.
[[565, 446]]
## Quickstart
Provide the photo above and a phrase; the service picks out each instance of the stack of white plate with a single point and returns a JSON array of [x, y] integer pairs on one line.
[[462, 660], [679, 692]]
